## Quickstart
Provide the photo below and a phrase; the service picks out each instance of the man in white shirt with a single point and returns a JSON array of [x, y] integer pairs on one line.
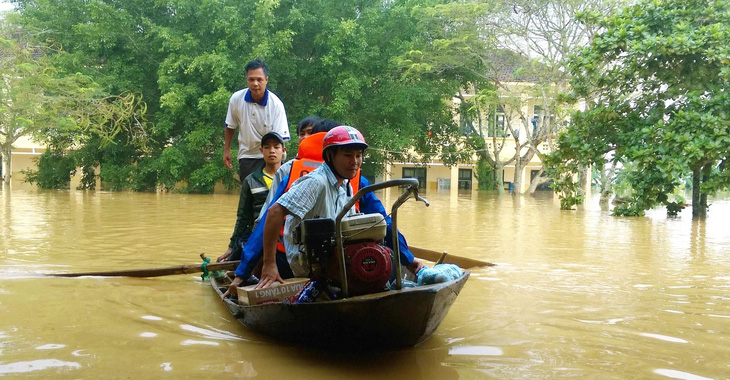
[[255, 111]]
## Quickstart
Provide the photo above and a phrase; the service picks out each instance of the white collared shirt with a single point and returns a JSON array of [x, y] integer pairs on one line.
[[254, 120]]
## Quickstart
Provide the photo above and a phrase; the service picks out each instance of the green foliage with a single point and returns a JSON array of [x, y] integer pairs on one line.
[[563, 170], [88, 178], [656, 80], [336, 60], [62, 109], [510, 56], [447, 30], [115, 177], [22, 72], [622, 186], [204, 179], [54, 171], [87, 159], [632, 208], [673, 208], [485, 175]]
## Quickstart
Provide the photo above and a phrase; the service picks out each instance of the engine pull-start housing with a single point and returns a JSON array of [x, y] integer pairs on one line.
[[368, 263]]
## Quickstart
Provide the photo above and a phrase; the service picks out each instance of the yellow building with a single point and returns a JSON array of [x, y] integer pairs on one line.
[[23, 157], [435, 175], [521, 107]]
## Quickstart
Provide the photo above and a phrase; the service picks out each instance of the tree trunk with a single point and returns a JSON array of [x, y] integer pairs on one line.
[[537, 181], [606, 184], [706, 173], [696, 181], [499, 178], [6, 163], [495, 162], [517, 180], [521, 161], [584, 179]]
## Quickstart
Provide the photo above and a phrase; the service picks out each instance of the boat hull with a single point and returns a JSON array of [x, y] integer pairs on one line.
[[393, 319]]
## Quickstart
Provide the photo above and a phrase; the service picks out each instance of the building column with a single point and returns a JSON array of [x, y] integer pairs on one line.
[[454, 191]]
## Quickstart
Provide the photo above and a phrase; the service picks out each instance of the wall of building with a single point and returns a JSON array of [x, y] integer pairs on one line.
[[516, 120], [24, 156], [437, 173], [438, 177]]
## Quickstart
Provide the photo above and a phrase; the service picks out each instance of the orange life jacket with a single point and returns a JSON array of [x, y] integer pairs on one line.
[[309, 157], [302, 167]]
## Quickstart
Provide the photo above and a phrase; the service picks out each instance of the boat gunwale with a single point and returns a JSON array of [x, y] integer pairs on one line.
[[356, 299]]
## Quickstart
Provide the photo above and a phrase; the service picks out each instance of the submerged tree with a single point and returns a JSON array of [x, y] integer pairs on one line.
[[331, 59], [656, 80], [40, 101], [458, 40], [510, 58], [19, 76], [546, 32]]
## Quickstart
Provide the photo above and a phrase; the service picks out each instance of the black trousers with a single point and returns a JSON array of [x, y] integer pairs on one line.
[[247, 166]]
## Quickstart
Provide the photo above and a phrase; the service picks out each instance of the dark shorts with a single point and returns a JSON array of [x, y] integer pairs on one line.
[[247, 166], [283, 265]]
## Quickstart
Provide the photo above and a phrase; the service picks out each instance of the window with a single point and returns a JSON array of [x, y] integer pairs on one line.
[[418, 173], [497, 123], [533, 174], [537, 118], [543, 186], [465, 179], [466, 120]]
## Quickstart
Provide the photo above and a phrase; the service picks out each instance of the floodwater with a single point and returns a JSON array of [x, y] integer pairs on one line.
[[575, 294]]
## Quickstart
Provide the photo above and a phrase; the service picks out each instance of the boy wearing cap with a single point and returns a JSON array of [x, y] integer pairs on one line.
[[254, 190]]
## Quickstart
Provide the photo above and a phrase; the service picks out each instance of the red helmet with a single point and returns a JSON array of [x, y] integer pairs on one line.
[[343, 136]]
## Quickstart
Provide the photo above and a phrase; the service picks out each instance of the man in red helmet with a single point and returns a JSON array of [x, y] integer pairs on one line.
[[322, 193], [331, 142]]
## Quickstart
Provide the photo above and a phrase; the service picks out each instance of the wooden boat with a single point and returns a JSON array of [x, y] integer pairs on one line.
[[392, 319], [397, 318]]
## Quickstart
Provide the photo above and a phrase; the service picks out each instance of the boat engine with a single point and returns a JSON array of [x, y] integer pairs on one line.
[[368, 262]]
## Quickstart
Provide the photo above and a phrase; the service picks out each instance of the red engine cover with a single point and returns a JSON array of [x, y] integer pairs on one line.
[[368, 267]]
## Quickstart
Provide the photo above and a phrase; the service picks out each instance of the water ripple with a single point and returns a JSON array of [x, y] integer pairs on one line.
[[674, 374], [664, 338], [476, 351], [36, 365]]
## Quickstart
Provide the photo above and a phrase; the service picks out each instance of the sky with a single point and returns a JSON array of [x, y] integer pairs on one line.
[[5, 6]]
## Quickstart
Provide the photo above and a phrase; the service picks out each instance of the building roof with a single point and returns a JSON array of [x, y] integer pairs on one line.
[[509, 66]]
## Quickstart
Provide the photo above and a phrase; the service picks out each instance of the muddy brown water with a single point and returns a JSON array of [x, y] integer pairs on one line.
[[577, 294]]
